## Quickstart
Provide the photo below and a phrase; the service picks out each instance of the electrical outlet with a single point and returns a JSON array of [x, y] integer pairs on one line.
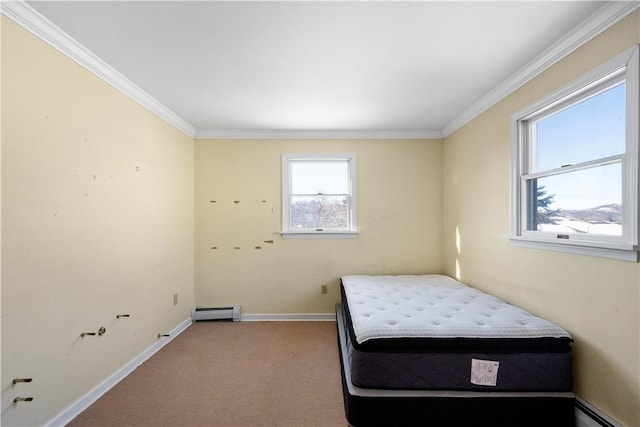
[[175, 299], [323, 289]]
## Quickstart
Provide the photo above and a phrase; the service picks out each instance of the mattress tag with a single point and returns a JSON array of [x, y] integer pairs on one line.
[[484, 372]]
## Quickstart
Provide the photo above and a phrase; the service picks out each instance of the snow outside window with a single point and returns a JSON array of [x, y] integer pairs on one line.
[[574, 168]]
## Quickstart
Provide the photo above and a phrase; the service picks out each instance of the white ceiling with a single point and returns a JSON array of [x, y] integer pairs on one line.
[[366, 68]]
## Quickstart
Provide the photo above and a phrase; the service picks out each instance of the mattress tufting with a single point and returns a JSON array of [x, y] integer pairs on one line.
[[387, 307], [419, 404]]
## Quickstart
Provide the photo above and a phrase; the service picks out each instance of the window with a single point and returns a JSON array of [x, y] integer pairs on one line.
[[574, 165], [318, 195]]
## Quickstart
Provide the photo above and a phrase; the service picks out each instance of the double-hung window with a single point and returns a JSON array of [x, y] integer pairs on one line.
[[318, 195], [574, 165]]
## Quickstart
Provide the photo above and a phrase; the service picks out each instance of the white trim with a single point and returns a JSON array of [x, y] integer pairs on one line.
[[624, 66], [584, 83], [286, 229], [28, 18], [284, 317], [604, 18], [316, 134], [605, 161], [633, 147], [628, 255], [320, 235], [67, 415]]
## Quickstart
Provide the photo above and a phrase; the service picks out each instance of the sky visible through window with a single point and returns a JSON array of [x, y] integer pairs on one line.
[[590, 130], [320, 195], [321, 176]]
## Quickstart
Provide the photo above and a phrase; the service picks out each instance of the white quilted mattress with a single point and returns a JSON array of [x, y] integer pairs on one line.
[[435, 306]]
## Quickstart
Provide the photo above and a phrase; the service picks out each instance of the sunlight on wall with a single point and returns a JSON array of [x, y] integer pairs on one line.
[[458, 253], [596, 299]]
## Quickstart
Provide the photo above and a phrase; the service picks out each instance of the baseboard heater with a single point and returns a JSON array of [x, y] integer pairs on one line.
[[231, 313], [588, 415]]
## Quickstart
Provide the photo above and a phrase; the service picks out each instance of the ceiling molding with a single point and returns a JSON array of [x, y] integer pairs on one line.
[[315, 134], [28, 18], [598, 22], [25, 16]]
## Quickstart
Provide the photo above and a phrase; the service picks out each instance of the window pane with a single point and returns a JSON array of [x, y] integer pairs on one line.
[[321, 176], [586, 201], [320, 212], [592, 129]]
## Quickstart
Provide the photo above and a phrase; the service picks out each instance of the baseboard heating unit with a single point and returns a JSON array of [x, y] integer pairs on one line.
[[231, 313]]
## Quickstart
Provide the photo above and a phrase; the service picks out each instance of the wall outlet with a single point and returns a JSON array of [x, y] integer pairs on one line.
[[175, 299], [323, 289]]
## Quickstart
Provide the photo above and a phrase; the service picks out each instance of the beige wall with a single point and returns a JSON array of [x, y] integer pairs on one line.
[[399, 204], [97, 219], [597, 300]]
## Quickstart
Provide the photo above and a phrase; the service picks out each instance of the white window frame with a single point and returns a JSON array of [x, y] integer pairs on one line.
[[624, 67], [291, 232]]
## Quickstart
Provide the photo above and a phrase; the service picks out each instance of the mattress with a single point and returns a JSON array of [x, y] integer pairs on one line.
[[381, 407], [432, 332]]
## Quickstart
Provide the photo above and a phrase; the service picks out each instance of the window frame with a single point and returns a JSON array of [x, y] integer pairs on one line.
[[287, 230], [624, 67]]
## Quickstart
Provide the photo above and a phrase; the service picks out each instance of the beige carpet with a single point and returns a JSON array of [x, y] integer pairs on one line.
[[232, 374]]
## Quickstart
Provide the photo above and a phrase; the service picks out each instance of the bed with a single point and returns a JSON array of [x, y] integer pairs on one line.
[[428, 350]]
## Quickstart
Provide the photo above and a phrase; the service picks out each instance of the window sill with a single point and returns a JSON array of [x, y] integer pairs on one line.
[[319, 235], [618, 252]]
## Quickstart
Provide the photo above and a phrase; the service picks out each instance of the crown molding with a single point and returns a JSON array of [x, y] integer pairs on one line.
[[598, 22], [28, 18], [25, 16], [314, 134]]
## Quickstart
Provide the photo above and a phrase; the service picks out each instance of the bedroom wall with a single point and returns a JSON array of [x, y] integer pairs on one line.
[[399, 207], [597, 300], [97, 220]]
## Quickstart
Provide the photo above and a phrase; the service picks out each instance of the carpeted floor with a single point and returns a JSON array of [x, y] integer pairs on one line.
[[232, 374]]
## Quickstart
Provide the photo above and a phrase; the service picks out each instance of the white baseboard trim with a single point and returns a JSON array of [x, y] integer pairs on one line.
[[66, 416], [588, 415], [301, 317]]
